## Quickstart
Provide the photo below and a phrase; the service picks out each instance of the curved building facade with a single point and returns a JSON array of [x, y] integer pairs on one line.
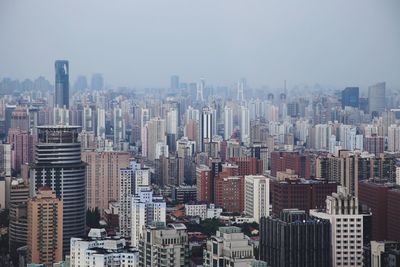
[[58, 165]]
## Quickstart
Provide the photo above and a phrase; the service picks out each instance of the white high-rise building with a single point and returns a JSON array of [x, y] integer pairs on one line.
[[155, 133], [206, 126], [346, 228], [393, 138], [172, 122], [229, 247], [228, 123], [244, 124], [200, 90], [240, 90], [322, 136], [131, 179], [98, 250], [60, 116], [101, 123], [256, 196], [192, 114], [88, 124], [146, 209], [118, 126]]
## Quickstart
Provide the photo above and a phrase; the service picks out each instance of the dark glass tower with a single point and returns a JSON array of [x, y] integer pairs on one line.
[[294, 239], [350, 97], [61, 98], [58, 165]]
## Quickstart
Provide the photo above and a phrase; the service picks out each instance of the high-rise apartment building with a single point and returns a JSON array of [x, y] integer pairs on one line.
[[61, 98], [118, 126], [256, 196], [374, 144], [130, 182], [244, 124], [229, 247], [58, 165], [146, 209], [155, 133], [45, 228], [347, 226], [18, 228], [207, 122], [162, 246], [102, 176]]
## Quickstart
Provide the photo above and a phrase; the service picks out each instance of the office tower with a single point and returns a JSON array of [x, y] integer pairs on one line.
[[101, 123], [342, 210], [164, 246], [184, 193], [377, 98], [101, 250], [256, 196], [382, 198], [18, 228], [203, 183], [58, 165], [118, 126], [240, 90], [228, 123], [299, 193], [350, 97], [229, 247], [45, 228], [146, 209], [200, 91], [244, 124], [374, 144], [9, 109], [155, 133], [97, 82], [81, 83], [206, 126], [293, 109], [385, 254], [295, 239], [393, 138], [174, 82], [283, 160], [102, 176], [172, 128], [130, 181], [61, 97]]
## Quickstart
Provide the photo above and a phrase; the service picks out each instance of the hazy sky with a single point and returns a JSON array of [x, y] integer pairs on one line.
[[142, 43]]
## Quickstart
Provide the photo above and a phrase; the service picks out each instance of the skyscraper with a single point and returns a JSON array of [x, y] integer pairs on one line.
[[350, 97], [256, 196], [244, 124], [61, 98], [228, 123], [206, 126], [174, 82], [45, 220], [58, 165], [377, 98], [342, 210], [97, 82], [295, 239], [200, 91]]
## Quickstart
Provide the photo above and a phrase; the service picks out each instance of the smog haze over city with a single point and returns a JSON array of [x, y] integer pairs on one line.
[[142, 43]]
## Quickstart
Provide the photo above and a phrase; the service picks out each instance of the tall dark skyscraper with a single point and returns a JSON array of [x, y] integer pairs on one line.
[[58, 165], [295, 239], [350, 96], [61, 98]]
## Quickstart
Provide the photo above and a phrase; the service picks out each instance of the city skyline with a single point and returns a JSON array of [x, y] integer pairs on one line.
[[149, 42]]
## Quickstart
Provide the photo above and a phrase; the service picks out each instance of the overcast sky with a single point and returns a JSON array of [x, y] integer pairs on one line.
[[142, 43]]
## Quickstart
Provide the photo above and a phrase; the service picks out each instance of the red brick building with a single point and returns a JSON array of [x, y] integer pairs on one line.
[[248, 165], [300, 193], [229, 189], [384, 201], [203, 182], [283, 160]]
